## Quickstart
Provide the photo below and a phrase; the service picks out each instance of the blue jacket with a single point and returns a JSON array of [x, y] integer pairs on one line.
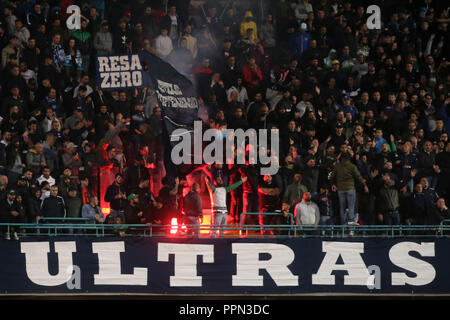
[[88, 211], [299, 43], [444, 114]]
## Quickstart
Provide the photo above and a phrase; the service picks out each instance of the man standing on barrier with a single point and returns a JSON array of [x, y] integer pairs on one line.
[[219, 199], [269, 193], [192, 205], [117, 198]]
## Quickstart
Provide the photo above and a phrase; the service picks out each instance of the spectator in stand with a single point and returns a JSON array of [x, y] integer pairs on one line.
[[218, 195], [192, 206], [388, 201], [117, 198], [92, 211], [36, 158], [11, 213], [439, 213], [269, 193], [249, 23], [163, 44], [344, 178], [324, 53], [73, 203], [427, 163], [34, 206], [306, 212], [45, 176], [53, 206], [299, 41], [103, 40]]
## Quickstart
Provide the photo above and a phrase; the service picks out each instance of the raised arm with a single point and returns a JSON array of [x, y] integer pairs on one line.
[[235, 185]]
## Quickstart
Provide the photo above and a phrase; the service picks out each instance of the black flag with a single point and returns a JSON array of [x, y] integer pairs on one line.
[[177, 98]]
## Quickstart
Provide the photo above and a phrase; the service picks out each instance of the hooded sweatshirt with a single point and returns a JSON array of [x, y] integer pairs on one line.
[[103, 39], [247, 24]]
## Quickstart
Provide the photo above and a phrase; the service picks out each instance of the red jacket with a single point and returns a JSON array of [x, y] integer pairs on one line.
[[250, 74]]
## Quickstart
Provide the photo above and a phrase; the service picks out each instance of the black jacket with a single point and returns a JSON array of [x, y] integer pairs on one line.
[[131, 215], [7, 208], [53, 207], [192, 204], [425, 163], [111, 192], [33, 208]]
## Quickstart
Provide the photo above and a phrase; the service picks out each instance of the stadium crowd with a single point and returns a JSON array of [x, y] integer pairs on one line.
[[363, 114]]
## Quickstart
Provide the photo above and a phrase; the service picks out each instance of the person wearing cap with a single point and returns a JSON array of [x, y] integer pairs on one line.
[[349, 107], [10, 213], [337, 138], [133, 211], [35, 158], [22, 188], [329, 59], [103, 39], [299, 41], [71, 158]]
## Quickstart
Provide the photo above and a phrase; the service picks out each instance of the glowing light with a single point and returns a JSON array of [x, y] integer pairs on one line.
[[206, 222], [174, 224], [106, 211]]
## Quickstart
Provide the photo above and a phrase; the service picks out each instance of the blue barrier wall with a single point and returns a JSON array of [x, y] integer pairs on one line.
[[224, 266]]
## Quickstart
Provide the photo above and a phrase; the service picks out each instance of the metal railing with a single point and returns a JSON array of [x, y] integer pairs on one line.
[[250, 231]]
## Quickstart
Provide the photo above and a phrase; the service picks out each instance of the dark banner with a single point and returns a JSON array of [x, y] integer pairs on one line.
[[120, 72], [177, 98], [176, 93], [224, 266]]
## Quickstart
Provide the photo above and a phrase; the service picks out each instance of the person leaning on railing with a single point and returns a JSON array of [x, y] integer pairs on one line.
[[53, 206], [92, 211], [306, 212], [11, 213], [219, 194], [192, 205]]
